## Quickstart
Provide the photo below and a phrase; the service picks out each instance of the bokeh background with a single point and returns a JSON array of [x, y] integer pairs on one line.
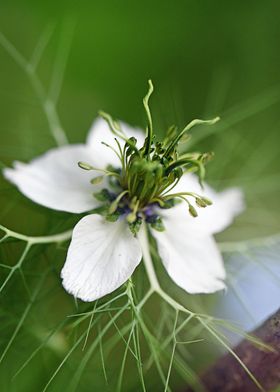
[[206, 58]]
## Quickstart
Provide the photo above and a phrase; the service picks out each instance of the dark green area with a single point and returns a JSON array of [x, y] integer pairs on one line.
[[205, 58]]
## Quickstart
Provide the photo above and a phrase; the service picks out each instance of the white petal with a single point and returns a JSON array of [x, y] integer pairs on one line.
[[100, 132], [101, 257], [226, 206], [187, 248], [212, 219], [54, 179], [193, 261]]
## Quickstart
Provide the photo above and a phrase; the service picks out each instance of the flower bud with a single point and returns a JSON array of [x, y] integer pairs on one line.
[[96, 180], [192, 211], [85, 166], [206, 201], [200, 202]]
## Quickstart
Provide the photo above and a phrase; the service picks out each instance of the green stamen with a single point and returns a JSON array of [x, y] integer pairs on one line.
[[131, 217], [148, 173], [115, 203], [192, 124]]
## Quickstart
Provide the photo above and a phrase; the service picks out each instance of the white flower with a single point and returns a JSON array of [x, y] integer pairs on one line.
[[102, 254]]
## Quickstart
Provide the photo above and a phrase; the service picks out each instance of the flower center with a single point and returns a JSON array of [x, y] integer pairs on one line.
[[142, 185], [132, 197]]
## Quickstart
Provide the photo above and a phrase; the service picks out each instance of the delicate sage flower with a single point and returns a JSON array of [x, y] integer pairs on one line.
[[130, 182]]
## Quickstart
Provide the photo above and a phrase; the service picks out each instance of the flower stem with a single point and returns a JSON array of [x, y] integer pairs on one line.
[[155, 286], [144, 241]]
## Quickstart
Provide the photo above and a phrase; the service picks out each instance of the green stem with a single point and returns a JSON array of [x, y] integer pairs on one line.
[[144, 241], [155, 286], [61, 237], [47, 104], [243, 246]]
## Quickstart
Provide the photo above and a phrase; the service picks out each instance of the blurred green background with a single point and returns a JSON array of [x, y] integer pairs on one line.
[[206, 58]]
